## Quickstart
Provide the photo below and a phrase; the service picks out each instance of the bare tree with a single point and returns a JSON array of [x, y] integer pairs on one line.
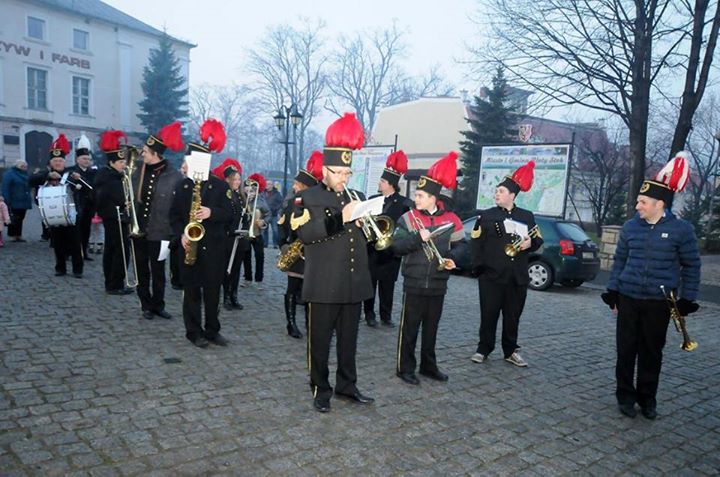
[[603, 54]]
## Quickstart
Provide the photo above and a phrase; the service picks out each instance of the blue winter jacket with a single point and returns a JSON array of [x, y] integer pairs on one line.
[[16, 190], [648, 256]]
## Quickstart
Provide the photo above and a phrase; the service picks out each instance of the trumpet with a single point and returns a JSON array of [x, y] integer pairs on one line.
[[129, 193], [513, 248], [130, 282], [429, 247], [679, 321], [379, 229]]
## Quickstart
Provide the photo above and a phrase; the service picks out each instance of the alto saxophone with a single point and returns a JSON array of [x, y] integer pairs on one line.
[[194, 230], [290, 255]]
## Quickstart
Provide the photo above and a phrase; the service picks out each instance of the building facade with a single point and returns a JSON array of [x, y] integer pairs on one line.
[[72, 67]]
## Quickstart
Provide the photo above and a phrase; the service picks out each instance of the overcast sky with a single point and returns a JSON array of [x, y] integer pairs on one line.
[[436, 31]]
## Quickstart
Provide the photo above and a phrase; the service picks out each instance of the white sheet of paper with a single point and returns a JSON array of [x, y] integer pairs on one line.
[[515, 227], [164, 250], [198, 163], [368, 207]]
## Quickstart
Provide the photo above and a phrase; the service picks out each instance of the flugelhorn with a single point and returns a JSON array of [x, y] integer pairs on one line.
[[679, 321], [379, 229], [513, 248], [130, 282]]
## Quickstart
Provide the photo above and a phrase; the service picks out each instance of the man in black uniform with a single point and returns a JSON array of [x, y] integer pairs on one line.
[[384, 265], [305, 178], [337, 278], [153, 186], [84, 178], [203, 278], [502, 259], [65, 239], [112, 208]]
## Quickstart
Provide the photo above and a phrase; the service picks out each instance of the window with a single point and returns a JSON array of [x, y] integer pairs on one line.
[[81, 96], [36, 28], [37, 88], [81, 39]]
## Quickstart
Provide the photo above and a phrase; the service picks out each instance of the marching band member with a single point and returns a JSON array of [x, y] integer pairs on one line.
[[504, 279], [65, 239], [656, 253], [112, 208], [257, 211], [337, 277], [305, 178], [84, 176], [384, 266], [153, 185], [425, 284], [202, 268]]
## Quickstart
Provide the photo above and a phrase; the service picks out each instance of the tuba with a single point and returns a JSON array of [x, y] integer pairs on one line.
[[194, 230], [679, 321]]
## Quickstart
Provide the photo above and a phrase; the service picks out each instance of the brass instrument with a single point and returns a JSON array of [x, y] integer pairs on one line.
[[379, 229], [254, 216], [130, 282], [679, 321], [513, 248], [194, 230], [429, 247], [290, 255], [129, 193]]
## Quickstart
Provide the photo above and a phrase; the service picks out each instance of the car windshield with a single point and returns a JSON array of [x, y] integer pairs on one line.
[[572, 231]]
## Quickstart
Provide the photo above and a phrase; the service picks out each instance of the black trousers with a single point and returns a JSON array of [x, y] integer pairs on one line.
[[193, 300], [151, 274], [16, 222], [418, 310], [84, 221], [641, 330], [324, 319], [494, 298], [113, 265], [385, 291], [175, 266], [232, 279], [66, 243], [256, 247]]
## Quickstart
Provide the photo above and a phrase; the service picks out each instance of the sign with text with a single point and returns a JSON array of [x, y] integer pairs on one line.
[[41, 54], [368, 165]]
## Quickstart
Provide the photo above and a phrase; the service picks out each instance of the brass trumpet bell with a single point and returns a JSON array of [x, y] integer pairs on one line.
[[384, 232]]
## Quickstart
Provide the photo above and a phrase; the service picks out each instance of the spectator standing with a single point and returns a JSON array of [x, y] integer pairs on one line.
[[16, 190]]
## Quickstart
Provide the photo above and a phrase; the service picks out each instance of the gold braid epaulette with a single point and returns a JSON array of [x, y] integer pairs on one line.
[[297, 222]]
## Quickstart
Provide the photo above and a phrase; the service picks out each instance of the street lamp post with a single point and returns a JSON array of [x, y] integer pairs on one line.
[[285, 117]]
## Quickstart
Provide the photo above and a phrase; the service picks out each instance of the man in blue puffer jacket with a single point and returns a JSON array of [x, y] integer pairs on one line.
[[655, 250]]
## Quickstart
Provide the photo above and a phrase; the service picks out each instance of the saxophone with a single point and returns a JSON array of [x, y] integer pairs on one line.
[[194, 230], [291, 254]]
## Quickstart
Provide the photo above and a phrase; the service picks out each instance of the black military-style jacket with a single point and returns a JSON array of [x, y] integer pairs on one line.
[[109, 194], [286, 236], [488, 241], [156, 197], [336, 261], [384, 264], [84, 196], [209, 269]]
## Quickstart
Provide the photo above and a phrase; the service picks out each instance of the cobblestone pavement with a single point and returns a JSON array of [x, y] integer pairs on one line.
[[89, 388]]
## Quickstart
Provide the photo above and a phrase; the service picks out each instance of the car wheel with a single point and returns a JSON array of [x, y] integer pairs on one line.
[[572, 283], [541, 275]]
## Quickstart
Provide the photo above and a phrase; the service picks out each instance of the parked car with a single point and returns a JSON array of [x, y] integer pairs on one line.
[[568, 256]]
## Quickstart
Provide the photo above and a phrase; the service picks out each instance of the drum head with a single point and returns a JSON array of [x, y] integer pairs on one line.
[[56, 205]]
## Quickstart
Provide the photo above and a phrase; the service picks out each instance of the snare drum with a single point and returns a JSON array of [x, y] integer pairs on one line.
[[57, 207]]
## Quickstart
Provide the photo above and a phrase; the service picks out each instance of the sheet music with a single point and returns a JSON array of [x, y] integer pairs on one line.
[[515, 227], [198, 163], [368, 207], [164, 250]]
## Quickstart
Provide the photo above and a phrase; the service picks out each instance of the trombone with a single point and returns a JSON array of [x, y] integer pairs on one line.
[[429, 247], [679, 321], [130, 282], [379, 229]]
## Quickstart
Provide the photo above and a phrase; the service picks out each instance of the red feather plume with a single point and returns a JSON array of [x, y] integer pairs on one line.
[[219, 171], [398, 162], [444, 171], [345, 132], [212, 133], [315, 164], [524, 176], [262, 183], [171, 136], [61, 143], [676, 173], [110, 140]]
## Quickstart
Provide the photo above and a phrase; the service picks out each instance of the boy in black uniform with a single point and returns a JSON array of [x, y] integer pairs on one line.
[[308, 177], [65, 239], [202, 279], [111, 207], [503, 276], [384, 265], [84, 176], [337, 278], [425, 277]]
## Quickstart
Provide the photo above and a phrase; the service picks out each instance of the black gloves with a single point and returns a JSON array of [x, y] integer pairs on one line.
[[610, 297], [686, 306]]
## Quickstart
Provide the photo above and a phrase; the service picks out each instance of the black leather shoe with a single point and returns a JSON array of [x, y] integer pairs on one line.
[[388, 323], [88, 258], [436, 375], [321, 404], [77, 275], [218, 340], [116, 292], [200, 342], [60, 274], [649, 412], [163, 314], [148, 315], [236, 305], [357, 397], [127, 291], [409, 378], [371, 322], [628, 410]]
